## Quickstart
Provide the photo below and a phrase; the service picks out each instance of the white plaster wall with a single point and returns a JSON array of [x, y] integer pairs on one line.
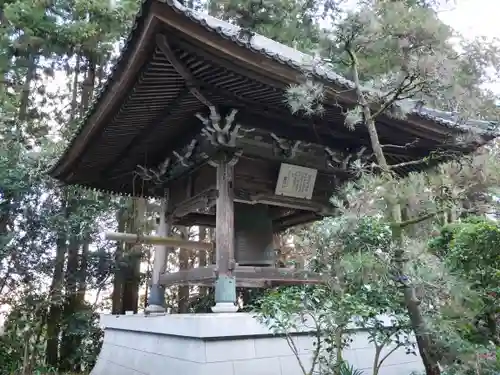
[[131, 347]]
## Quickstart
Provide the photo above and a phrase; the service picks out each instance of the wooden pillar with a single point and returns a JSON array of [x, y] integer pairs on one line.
[[225, 284], [156, 300]]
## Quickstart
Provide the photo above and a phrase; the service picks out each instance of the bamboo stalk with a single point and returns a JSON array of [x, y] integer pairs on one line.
[[157, 240]]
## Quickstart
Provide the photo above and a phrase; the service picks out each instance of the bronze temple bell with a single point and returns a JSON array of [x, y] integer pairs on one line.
[[253, 236]]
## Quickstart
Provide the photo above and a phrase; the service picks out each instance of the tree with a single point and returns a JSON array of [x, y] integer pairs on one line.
[[37, 41], [292, 22], [359, 293], [420, 63]]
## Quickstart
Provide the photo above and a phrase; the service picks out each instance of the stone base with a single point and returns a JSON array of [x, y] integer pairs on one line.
[[218, 344]]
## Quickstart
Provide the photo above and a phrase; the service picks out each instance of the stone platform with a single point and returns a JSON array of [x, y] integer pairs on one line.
[[218, 344]]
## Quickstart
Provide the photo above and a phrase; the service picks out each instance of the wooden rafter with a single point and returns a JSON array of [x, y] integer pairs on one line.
[[135, 141], [164, 46]]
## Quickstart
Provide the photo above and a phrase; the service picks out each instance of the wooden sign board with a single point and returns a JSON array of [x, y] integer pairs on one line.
[[296, 181]]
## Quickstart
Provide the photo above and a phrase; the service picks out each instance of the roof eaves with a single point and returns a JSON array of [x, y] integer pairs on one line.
[[270, 48]]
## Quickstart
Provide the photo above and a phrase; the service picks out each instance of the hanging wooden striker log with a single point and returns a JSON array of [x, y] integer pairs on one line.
[[157, 240]]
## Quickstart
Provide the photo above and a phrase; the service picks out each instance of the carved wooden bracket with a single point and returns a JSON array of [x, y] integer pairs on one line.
[[344, 160], [184, 159], [155, 175], [159, 174], [231, 159], [222, 132], [287, 148]]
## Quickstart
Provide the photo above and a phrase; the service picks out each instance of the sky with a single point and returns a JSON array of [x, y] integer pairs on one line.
[[475, 18]]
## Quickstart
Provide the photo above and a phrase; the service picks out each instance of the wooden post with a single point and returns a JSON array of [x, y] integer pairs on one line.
[[225, 284], [156, 300]]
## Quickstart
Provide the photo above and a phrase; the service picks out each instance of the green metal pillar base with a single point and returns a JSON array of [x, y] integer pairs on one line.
[[225, 295], [156, 301]]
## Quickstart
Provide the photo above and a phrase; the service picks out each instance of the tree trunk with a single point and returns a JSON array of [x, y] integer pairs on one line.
[[116, 296], [411, 301], [74, 95], [54, 313], [70, 305], [82, 272], [80, 300], [6, 213], [26, 91], [88, 86]]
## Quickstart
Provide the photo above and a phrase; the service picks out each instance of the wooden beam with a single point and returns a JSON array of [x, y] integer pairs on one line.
[[261, 150], [208, 199], [282, 201], [279, 224], [206, 220], [202, 200], [156, 240], [251, 277], [193, 276], [274, 274], [297, 218]]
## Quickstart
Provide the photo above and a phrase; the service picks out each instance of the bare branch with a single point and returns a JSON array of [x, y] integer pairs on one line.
[[386, 356], [411, 162], [395, 97], [405, 146], [417, 220]]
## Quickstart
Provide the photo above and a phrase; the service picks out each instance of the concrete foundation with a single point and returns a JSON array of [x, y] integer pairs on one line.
[[218, 344]]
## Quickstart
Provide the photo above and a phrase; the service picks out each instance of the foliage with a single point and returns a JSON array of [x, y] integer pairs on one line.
[[292, 22], [475, 251], [360, 292], [400, 56], [471, 249], [420, 58], [292, 309], [47, 263]]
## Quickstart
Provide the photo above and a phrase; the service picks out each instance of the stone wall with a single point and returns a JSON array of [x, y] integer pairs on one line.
[[218, 344]]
